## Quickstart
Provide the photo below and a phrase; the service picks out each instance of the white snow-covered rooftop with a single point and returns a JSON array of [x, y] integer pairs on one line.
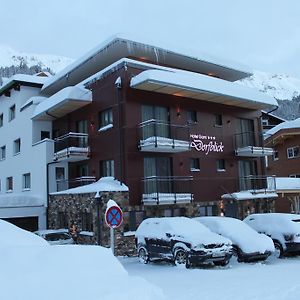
[[117, 47], [20, 200], [23, 79], [294, 124], [63, 102], [247, 195], [198, 86], [287, 184], [104, 184]]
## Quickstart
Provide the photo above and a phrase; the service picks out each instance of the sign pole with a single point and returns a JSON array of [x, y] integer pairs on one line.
[[112, 240]]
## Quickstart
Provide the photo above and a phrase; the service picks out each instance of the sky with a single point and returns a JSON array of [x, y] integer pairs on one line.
[[261, 34]]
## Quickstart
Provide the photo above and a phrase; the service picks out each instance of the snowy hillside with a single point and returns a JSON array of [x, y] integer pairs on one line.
[[281, 87], [10, 57]]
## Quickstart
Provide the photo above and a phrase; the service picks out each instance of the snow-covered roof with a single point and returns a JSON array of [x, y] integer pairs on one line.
[[287, 184], [274, 116], [118, 47], [23, 79], [294, 124], [20, 200], [63, 102], [203, 87], [104, 184], [248, 195]]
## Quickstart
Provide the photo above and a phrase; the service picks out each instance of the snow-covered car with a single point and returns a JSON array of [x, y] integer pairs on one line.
[[56, 236], [248, 245], [284, 229], [181, 240]]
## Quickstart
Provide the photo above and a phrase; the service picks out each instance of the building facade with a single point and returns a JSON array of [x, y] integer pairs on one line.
[[175, 129]]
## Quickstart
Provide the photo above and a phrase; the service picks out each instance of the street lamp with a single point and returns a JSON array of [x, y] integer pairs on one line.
[[98, 199]]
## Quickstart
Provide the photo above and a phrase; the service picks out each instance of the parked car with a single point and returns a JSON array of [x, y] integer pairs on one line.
[[284, 229], [248, 245], [182, 241], [56, 236]]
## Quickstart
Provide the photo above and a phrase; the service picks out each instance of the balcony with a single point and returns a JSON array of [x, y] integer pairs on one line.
[[247, 146], [72, 147], [65, 184], [156, 136], [167, 190], [253, 187]]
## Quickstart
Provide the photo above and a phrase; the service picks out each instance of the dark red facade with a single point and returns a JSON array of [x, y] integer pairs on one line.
[[120, 143]]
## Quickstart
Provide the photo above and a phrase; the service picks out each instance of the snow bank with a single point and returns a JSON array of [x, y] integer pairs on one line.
[[12, 236], [181, 228], [63, 272], [239, 233]]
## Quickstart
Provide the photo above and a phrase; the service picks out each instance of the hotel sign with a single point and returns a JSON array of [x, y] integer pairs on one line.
[[206, 144]]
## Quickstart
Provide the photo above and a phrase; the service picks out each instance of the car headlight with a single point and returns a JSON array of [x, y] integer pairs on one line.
[[288, 237]]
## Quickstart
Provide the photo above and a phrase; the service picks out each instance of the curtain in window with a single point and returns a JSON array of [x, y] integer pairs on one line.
[[245, 132]]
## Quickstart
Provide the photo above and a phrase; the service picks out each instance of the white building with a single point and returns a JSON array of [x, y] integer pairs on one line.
[[25, 150]]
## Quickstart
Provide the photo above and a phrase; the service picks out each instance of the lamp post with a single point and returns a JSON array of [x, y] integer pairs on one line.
[[98, 199]]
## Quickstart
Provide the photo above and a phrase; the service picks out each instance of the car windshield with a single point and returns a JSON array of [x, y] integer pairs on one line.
[[57, 236], [297, 221]]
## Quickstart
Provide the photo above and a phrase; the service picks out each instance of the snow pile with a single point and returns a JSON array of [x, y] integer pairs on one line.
[[10, 57], [181, 228], [104, 184], [281, 87], [275, 225], [63, 272], [239, 233]]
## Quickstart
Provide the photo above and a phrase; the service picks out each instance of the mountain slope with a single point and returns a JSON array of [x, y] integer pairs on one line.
[[281, 87], [10, 57]]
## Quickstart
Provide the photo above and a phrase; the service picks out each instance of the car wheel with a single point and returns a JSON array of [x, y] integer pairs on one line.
[[278, 250], [143, 255], [180, 257]]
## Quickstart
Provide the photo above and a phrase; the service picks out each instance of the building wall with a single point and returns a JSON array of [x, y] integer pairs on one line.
[[121, 142], [32, 158]]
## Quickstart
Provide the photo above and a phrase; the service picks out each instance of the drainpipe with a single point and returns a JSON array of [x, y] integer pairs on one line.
[[118, 86]]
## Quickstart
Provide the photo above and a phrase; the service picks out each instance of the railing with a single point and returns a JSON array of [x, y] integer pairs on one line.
[[71, 147], [71, 139], [64, 184], [165, 189], [245, 139], [158, 133], [257, 184]]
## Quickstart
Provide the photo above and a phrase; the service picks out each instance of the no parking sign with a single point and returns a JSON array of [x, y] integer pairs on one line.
[[114, 216]]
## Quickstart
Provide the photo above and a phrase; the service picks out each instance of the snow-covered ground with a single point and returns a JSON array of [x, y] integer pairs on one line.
[[277, 279]]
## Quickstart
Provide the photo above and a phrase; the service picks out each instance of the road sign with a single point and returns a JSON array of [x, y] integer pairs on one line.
[[114, 217]]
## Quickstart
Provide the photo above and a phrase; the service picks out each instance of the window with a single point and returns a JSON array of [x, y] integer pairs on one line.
[[192, 116], [218, 120], [45, 135], [105, 118], [9, 184], [210, 210], [17, 146], [1, 120], [26, 185], [87, 221], [220, 165], [265, 122], [2, 152], [194, 164], [275, 155], [12, 112], [107, 168], [293, 152]]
